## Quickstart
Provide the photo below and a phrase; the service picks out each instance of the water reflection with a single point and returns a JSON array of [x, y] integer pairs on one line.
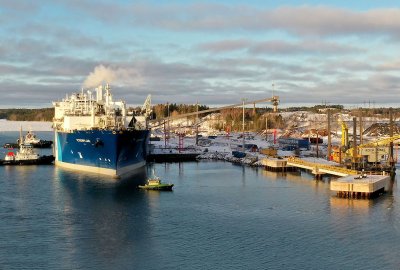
[[299, 177], [391, 186], [273, 175], [70, 220], [341, 205], [101, 216], [153, 197]]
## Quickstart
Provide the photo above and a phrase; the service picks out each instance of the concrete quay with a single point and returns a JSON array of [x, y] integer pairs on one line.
[[366, 186], [276, 164]]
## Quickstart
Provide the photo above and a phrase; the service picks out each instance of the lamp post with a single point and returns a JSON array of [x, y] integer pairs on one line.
[[166, 128], [243, 100], [317, 144], [197, 123]]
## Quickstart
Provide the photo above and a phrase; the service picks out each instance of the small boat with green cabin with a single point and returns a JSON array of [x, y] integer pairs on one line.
[[154, 183]]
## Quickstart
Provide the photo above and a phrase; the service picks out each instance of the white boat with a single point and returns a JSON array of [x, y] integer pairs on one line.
[[32, 139], [26, 156]]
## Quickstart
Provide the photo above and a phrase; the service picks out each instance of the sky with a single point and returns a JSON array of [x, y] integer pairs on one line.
[[210, 52]]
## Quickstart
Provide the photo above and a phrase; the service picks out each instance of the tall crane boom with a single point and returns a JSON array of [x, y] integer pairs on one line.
[[146, 108], [274, 100]]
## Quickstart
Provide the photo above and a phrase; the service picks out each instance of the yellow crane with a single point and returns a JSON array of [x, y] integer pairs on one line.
[[345, 134], [380, 142], [347, 152], [339, 151]]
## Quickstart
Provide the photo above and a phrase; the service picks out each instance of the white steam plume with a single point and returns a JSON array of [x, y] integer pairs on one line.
[[121, 76]]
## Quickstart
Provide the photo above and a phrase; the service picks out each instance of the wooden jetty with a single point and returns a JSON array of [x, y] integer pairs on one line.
[[362, 186]]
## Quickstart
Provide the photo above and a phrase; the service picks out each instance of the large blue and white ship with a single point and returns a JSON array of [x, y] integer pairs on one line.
[[94, 133]]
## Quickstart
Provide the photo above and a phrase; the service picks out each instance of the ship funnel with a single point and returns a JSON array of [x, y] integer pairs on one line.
[[99, 94]]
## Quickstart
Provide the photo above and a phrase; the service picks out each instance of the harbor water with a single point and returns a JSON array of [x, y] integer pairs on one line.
[[219, 216]]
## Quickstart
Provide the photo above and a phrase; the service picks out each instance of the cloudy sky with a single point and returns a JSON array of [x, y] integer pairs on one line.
[[214, 52]]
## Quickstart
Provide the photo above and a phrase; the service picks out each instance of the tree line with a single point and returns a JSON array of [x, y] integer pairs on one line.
[[43, 114], [164, 110], [229, 119], [255, 118]]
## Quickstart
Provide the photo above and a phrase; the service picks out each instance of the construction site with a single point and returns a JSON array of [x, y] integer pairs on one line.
[[329, 141], [356, 143]]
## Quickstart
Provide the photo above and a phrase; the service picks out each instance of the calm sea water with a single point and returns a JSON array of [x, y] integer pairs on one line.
[[219, 216]]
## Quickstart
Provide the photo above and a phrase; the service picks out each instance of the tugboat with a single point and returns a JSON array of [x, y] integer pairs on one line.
[[154, 183], [30, 138], [26, 156]]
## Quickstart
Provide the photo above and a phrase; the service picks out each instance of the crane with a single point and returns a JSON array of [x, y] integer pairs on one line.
[[274, 100], [348, 152], [345, 134], [380, 142], [146, 108]]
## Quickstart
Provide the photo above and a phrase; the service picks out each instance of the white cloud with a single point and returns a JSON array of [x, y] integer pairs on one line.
[[211, 53], [301, 20], [119, 76], [309, 46]]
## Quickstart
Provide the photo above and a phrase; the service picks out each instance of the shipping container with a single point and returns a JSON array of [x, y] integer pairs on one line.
[[291, 144]]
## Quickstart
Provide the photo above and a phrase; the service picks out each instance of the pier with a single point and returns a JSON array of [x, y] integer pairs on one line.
[[319, 169], [365, 186], [277, 164]]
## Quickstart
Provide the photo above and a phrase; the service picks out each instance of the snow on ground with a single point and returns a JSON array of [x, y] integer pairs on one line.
[[303, 120], [222, 144], [320, 161], [6, 125]]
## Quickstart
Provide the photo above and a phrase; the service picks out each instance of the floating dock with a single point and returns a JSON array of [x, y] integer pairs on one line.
[[366, 186]]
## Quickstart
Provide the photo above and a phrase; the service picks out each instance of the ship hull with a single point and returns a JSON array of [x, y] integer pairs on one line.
[[40, 144], [43, 160], [113, 153]]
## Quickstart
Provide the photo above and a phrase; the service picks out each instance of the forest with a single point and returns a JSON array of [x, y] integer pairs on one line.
[[43, 114], [255, 118]]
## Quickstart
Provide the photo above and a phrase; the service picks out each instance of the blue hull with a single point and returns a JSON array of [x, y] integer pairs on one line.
[[102, 151]]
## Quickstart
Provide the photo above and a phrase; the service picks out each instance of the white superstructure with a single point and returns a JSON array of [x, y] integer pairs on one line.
[[30, 138], [25, 152], [84, 111]]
